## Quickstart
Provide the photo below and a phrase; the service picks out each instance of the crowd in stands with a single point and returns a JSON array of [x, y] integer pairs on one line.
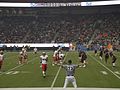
[[99, 28], [108, 30]]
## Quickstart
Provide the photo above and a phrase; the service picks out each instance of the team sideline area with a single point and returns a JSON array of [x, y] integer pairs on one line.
[[97, 75]]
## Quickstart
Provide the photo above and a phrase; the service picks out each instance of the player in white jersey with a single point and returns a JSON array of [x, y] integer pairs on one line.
[[24, 51], [35, 50], [1, 59], [70, 71], [21, 58], [43, 61], [61, 56]]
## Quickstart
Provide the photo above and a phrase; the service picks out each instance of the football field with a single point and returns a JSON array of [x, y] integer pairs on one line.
[[97, 74]]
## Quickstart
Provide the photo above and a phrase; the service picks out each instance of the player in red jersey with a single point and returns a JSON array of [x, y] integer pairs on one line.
[[1, 59], [57, 56], [43, 61]]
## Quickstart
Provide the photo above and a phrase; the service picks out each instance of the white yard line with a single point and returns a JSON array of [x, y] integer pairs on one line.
[[18, 66], [105, 67], [57, 74]]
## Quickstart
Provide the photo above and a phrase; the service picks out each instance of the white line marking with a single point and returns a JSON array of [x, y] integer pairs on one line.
[[15, 72], [117, 72], [104, 72], [24, 72], [9, 72], [57, 73], [18, 66], [105, 67]]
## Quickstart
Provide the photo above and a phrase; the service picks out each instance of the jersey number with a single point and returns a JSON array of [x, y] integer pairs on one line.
[[70, 68]]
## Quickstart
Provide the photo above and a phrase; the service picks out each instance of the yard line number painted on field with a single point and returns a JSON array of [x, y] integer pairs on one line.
[[117, 72], [16, 72], [104, 72]]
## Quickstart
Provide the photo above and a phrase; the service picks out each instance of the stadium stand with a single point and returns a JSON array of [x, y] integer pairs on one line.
[[18, 27]]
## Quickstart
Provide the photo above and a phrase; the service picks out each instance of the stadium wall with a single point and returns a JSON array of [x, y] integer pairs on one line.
[[31, 46]]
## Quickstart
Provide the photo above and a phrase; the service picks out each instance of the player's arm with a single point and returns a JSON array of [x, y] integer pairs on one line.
[[63, 66], [76, 66], [47, 58], [40, 60]]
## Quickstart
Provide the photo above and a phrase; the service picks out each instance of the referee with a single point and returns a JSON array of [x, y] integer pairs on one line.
[[70, 71]]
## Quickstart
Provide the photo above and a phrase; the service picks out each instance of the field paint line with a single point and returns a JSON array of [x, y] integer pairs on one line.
[[58, 73], [117, 72], [105, 67], [82, 88], [18, 66], [104, 72]]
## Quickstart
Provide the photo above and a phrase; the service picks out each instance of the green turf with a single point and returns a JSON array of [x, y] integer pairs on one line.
[[30, 75]]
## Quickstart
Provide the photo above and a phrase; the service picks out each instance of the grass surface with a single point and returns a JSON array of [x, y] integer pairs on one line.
[[30, 75]]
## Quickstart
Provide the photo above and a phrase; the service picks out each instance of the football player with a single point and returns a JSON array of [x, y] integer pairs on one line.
[[101, 53], [25, 56], [1, 59], [43, 61], [70, 71], [61, 57], [21, 58], [56, 56], [83, 59], [96, 47], [35, 50], [80, 55]]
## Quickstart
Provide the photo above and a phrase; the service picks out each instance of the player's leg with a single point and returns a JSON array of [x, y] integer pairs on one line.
[[113, 63], [74, 82], [84, 63], [62, 58], [111, 54], [20, 61], [26, 58], [80, 63], [44, 67], [100, 57], [35, 52], [95, 52], [106, 59], [65, 83], [58, 60], [1, 62], [43, 70], [54, 61]]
